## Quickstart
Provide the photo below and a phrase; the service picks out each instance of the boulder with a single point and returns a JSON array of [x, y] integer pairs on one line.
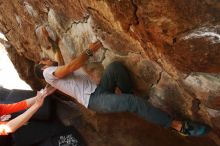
[[171, 48]]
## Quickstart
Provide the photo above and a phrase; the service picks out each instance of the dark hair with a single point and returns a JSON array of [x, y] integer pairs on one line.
[[38, 72]]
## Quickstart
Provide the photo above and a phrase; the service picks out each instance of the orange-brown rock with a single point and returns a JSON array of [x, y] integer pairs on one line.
[[171, 48]]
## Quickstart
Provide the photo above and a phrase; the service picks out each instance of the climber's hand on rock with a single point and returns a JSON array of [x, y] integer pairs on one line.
[[95, 46]]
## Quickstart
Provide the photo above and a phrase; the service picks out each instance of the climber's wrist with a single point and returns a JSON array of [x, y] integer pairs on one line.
[[89, 52]]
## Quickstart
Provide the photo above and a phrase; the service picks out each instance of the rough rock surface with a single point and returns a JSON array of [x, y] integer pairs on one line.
[[170, 46]]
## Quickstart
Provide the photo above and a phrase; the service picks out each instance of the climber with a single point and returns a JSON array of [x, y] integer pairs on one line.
[[33, 104], [99, 93]]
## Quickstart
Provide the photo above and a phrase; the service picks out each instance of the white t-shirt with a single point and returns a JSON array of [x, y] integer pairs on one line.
[[77, 84]]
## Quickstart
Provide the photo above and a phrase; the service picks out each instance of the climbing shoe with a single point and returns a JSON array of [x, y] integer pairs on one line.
[[190, 128]]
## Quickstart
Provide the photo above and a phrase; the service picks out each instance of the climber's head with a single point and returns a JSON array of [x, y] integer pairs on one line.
[[44, 63]]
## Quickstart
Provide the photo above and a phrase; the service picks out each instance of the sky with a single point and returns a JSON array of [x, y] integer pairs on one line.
[[2, 36], [9, 77]]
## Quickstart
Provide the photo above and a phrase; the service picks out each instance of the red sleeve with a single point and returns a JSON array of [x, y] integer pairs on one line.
[[12, 108], [3, 128]]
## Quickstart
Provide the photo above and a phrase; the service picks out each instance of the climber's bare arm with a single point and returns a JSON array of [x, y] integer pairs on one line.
[[76, 63]]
